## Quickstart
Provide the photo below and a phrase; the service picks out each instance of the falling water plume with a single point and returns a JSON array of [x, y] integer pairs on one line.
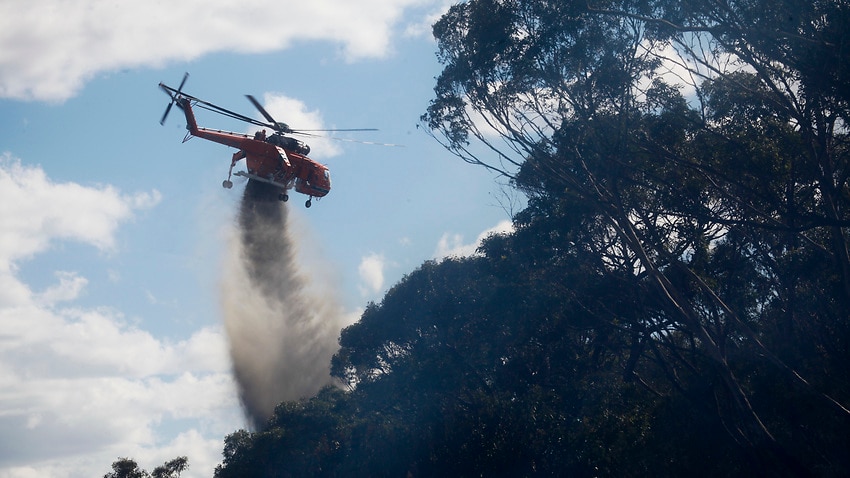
[[282, 332]]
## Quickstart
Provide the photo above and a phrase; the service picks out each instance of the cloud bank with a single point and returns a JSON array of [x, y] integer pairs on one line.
[[81, 386], [50, 48]]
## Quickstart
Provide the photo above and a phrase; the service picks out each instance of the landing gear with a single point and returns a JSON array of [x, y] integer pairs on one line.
[[227, 184], [309, 202], [283, 197]]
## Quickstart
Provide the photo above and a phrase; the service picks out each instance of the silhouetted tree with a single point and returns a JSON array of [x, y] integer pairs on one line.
[[172, 468], [705, 208], [128, 468]]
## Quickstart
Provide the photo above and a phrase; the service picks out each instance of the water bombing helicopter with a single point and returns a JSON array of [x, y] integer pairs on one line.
[[277, 159]]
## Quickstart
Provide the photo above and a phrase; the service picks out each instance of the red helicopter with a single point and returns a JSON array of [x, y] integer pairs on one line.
[[276, 159]]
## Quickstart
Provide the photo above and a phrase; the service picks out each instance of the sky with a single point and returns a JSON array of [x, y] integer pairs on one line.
[[114, 233]]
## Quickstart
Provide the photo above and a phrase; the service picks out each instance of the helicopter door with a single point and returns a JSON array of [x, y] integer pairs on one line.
[[284, 159]]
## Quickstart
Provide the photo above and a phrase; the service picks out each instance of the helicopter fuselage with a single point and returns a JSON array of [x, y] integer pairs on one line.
[[278, 160]]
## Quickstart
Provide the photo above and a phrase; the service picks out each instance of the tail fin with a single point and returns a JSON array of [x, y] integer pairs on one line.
[[186, 106]]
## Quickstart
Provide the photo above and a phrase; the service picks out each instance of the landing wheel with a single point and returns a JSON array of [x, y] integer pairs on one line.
[[283, 197], [227, 184], [309, 203]]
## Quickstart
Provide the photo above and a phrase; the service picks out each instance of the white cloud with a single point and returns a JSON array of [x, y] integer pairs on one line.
[[80, 387], [452, 245], [422, 27], [50, 48], [371, 271], [35, 210], [69, 287], [295, 114]]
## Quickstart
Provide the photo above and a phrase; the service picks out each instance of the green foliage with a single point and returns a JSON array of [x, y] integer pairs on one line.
[[171, 468], [674, 299], [128, 468]]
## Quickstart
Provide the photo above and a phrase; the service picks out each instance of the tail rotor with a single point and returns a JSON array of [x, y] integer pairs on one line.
[[174, 94]]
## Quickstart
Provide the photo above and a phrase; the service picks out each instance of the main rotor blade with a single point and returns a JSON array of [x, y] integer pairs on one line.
[[230, 114], [348, 140], [263, 111], [334, 129], [372, 143]]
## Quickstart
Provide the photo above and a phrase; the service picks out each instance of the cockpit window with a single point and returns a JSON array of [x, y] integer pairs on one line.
[[328, 176]]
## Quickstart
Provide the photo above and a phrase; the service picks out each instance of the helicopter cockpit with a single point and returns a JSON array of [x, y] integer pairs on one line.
[[291, 144]]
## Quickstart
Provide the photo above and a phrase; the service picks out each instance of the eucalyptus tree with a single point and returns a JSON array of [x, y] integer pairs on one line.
[[696, 152]]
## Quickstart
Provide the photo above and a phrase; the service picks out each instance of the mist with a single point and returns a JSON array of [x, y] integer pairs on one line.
[[282, 329]]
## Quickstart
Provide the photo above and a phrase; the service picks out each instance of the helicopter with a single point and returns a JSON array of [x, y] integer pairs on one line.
[[277, 159]]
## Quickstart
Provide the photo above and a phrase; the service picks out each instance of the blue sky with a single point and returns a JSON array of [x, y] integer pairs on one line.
[[114, 234]]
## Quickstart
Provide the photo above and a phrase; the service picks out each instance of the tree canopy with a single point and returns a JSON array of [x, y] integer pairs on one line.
[[675, 297], [128, 468]]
